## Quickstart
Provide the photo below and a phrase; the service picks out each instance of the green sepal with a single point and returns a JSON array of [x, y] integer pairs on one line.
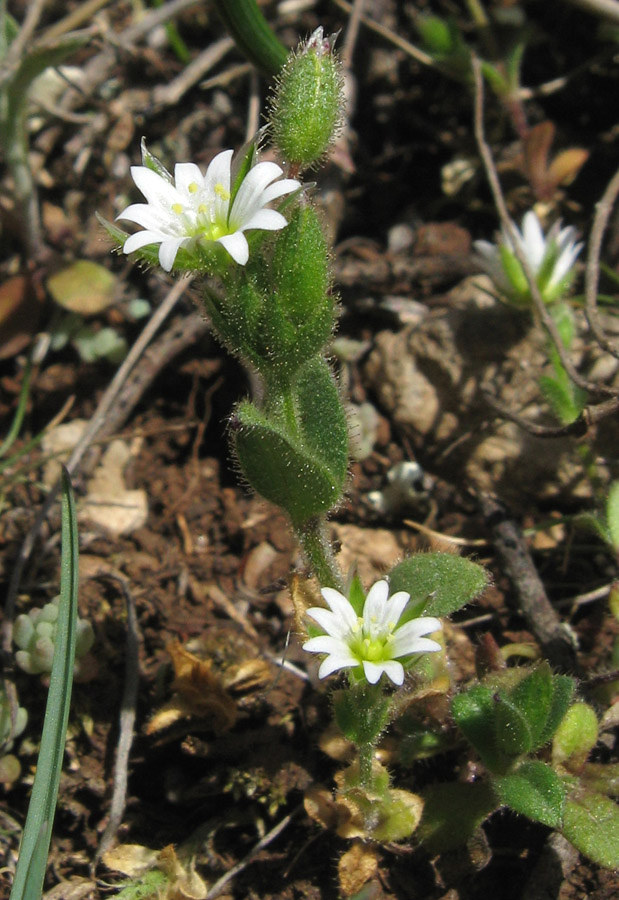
[[446, 804], [535, 791], [296, 455], [362, 713], [356, 594], [591, 824], [155, 165], [438, 583]]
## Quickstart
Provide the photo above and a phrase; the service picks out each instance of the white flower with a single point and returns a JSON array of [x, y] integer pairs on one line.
[[194, 207], [550, 259], [373, 640]]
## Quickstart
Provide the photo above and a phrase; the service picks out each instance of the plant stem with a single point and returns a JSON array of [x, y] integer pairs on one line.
[[319, 553], [366, 753]]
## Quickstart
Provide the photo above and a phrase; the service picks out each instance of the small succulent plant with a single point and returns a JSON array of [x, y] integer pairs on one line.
[[35, 634]]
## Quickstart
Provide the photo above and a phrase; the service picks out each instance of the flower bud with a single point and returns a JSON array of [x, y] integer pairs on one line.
[[306, 107]]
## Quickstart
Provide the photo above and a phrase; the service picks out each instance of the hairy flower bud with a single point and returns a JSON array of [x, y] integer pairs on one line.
[[306, 107]]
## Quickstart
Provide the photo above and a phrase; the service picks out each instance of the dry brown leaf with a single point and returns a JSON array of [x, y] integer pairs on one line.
[[356, 867], [198, 691], [20, 310], [84, 287], [130, 859]]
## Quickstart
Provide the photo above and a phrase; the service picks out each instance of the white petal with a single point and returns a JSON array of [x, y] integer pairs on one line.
[[249, 198], [341, 607], [406, 639], [333, 663], [374, 607], [267, 219], [151, 217], [395, 606], [168, 250], [329, 621], [534, 243], [325, 644], [565, 263], [236, 245], [285, 186], [141, 239], [186, 174], [373, 670], [155, 188], [486, 249], [394, 670], [218, 171]]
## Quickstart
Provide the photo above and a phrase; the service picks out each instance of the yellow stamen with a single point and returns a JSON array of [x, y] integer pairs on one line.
[[192, 188], [177, 208], [221, 192]]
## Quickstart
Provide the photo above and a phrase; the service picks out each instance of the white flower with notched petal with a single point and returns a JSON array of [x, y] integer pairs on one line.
[[551, 260], [373, 640], [192, 207]]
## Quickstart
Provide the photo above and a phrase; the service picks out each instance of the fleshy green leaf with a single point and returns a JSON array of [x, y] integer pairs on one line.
[[534, 791]]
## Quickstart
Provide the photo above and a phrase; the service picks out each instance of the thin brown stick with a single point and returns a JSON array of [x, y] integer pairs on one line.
[[220, 884], [592, 273], [590, 416], [530, 597], [126, 726], [510, 228]]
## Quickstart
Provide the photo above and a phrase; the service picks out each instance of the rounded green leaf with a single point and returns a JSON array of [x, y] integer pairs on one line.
[[534, 791], [438, 583]]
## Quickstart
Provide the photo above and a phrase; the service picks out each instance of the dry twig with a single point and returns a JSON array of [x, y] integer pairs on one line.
[[530, 595]]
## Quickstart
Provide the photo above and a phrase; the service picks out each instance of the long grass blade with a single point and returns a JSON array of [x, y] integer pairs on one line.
[[32, 862]]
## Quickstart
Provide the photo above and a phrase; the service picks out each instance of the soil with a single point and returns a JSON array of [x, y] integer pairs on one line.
[[207, 566]]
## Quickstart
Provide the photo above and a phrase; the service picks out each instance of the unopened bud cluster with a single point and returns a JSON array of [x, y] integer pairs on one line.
[[35, 635]]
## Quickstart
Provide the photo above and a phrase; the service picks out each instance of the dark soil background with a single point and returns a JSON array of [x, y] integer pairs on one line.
[[207, 567]]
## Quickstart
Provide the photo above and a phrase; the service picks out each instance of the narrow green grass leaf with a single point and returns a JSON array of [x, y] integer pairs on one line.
[[32, 862]]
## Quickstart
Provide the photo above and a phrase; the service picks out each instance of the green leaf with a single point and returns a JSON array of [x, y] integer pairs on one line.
[[438, 583], [563, 688], [560, 399], [575, 737], [474, 713], [296, 456], [455, 802], [612, 515], [31, 865], [533, 698], [591, 824], [534, 791], [512, 733], [252, 34]]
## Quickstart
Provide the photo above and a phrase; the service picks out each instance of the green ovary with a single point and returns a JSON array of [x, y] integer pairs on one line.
[[377, 649]]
